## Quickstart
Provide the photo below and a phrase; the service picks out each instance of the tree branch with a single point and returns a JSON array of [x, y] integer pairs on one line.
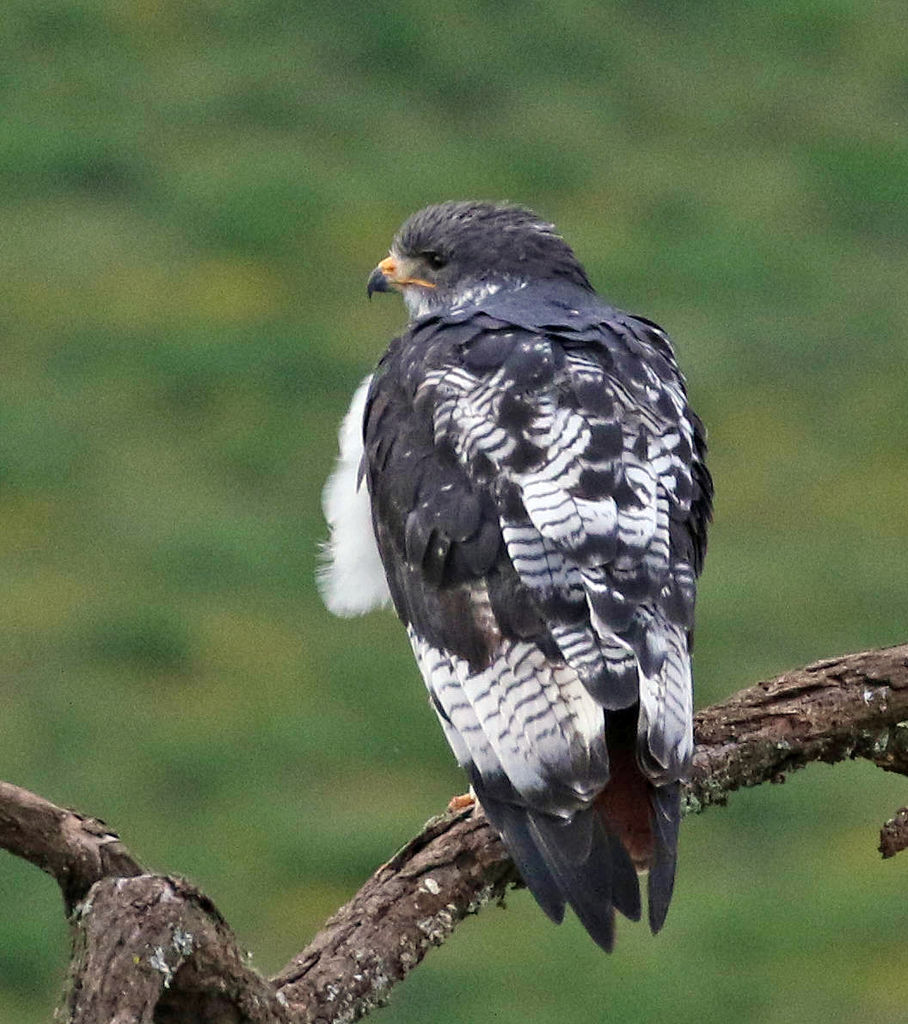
[[75, 849], [154, 949], [894, 834], [855, 706]]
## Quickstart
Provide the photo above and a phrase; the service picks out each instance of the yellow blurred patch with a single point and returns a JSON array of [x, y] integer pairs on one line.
[[749, 473], [210, 292], [142, 14], [294, 913], [241, 643], [885, 984], [229, 292], [44, 600], [26, 521]]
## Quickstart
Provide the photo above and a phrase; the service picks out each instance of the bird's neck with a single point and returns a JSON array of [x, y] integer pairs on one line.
[[423, 301]]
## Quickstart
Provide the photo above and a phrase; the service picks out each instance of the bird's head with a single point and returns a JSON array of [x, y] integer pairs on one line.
[[457, 252]]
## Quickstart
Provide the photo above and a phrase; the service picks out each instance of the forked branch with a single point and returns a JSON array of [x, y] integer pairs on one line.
[[154, 949]]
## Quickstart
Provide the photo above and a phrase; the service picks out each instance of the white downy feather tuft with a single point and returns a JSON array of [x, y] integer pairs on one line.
[[351, 579]]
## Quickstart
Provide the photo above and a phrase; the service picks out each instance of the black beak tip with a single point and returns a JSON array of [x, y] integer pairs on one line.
[[377, 282]]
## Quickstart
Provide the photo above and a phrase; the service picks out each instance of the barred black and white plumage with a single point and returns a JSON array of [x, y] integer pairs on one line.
[[539, 499]]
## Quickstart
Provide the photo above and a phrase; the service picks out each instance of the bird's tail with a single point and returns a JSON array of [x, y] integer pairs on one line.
[[645, 818], [591, 861]]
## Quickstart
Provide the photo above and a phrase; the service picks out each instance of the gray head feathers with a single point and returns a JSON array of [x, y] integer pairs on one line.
[[465, 243]]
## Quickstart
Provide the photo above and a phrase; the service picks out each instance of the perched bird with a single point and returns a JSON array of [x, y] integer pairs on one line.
[[523, 477]]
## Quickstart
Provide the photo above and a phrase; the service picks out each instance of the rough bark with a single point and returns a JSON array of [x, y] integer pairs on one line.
[[855, 706], [148, 948], [894, 834], [74, 848]]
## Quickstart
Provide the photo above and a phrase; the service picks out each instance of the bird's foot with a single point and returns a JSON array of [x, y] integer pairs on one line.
[[462, 802]]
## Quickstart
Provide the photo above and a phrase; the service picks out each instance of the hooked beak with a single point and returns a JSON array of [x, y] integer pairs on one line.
[[380, 278], [390, 275]]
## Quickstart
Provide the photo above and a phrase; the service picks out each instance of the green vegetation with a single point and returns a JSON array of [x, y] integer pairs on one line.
[[192, 197]]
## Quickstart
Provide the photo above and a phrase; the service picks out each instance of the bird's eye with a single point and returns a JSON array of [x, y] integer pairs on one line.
[[435, 260]]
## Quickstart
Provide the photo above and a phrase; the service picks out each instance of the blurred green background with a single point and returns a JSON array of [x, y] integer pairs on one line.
[[192, 197]]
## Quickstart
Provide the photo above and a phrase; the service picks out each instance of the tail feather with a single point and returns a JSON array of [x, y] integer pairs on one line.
[[666, 804], [625, 884], [574, 861], [591, 860], [588, 885], [644, 816], [513, 823]]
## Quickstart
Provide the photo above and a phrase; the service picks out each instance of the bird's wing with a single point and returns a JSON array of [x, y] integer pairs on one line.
[[585, 438], [534, 494]]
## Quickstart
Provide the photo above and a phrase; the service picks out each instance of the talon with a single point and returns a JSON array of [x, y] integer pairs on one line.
[[462, 802]]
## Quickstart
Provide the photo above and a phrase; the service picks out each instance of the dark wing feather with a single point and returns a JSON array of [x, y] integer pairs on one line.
[[540, 502]]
